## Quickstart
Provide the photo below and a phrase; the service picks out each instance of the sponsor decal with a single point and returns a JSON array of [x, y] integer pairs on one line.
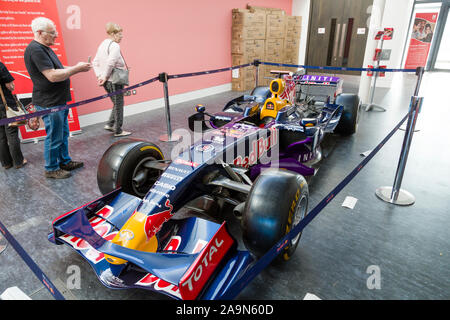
[[313, 78], [289, 90], [187, 163], [270, 106], [199, 272], [258, 148], [204, 148], [154, 222], [164, 185], [172, 168], [158, 284], [158, 193], [172, 176], [218, 139], [100, 226], [126, 235], [150, 280]]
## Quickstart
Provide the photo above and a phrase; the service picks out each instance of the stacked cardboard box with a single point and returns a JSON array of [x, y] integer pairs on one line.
[[266, 34], [247, 44], [292, 39]]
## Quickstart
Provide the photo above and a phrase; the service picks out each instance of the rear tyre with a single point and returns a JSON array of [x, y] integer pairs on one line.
[[277, 202], [348, 122], [124, 165]]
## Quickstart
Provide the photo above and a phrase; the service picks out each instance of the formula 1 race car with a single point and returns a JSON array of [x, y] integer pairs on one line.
[[190, 227]]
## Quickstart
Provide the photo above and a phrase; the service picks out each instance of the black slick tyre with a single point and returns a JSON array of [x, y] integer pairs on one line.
[[277, 202], [125, 165], [348, 122]]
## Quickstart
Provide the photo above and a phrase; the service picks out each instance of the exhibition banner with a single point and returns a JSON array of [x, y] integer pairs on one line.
[[15, 35], [421, 37]]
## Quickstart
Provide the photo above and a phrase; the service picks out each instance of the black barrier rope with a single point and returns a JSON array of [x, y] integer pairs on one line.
[[336, 68], [31, 264], [73, 105], [264, 261], [184, 75], [193, 74]]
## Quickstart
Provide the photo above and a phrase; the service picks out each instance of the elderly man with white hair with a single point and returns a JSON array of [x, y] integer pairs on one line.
[[51, 88]]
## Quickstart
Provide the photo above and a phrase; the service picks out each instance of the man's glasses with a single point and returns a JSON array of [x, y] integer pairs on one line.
[[53, 33]]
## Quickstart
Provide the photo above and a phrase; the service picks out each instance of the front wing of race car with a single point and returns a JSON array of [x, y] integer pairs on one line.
[[197, 258]]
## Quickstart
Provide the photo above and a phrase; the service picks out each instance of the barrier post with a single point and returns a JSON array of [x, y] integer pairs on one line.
[[419, 73], [163, 77], [394, 194], [256, 63], [371, 105]]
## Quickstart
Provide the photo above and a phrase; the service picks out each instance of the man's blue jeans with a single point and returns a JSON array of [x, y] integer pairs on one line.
[[56, 144]]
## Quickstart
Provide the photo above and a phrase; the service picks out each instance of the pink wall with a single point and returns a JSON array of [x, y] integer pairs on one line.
[[173, 36]]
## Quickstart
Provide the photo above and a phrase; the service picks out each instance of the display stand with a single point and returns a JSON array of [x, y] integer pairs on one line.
[[169, 137], [394, 194], [381, 36]]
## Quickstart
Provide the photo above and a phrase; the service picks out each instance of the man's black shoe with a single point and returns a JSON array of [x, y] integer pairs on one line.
[[72, 165]]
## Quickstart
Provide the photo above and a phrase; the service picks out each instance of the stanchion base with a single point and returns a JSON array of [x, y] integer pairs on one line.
[[173, 138], [404, 198], [3, 244], [371, 106]]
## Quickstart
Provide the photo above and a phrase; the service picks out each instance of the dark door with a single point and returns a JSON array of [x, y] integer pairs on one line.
[[338, 33]]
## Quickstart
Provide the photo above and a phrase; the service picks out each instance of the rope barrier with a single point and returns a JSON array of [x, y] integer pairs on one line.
[[253, 271], [336, 68], [184, 75], [31, 264]]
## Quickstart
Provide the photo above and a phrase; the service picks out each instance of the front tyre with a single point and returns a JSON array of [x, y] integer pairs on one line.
[[277, 202], [125, 164]]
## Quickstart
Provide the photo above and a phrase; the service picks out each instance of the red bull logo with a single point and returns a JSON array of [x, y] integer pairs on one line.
[[154, 222]]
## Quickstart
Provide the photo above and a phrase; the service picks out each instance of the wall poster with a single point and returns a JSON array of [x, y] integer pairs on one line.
[[421, 37], [15, 35]]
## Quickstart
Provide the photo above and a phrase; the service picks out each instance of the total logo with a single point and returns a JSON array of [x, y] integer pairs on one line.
[[204, 265]]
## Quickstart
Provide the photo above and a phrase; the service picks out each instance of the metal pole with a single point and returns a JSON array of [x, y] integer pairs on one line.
[[163, 77], [419, 73], [394, 194], [371, 105], [256, 63]]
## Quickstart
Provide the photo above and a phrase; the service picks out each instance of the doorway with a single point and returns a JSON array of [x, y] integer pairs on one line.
[[337, 34]]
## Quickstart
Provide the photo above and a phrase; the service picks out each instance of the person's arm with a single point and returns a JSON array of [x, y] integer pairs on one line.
[[58, 75]]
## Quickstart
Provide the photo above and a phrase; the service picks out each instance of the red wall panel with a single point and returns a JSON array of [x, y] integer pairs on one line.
[[170, 36]]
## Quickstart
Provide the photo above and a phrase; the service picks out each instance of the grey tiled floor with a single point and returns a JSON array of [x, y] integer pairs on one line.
[[410, 245]]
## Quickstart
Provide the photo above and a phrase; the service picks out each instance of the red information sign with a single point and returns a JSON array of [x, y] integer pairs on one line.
[[422, 34], [15, 35]]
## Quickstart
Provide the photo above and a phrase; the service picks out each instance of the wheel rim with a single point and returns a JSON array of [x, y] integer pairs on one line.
[[300, 213], [143, 178]]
